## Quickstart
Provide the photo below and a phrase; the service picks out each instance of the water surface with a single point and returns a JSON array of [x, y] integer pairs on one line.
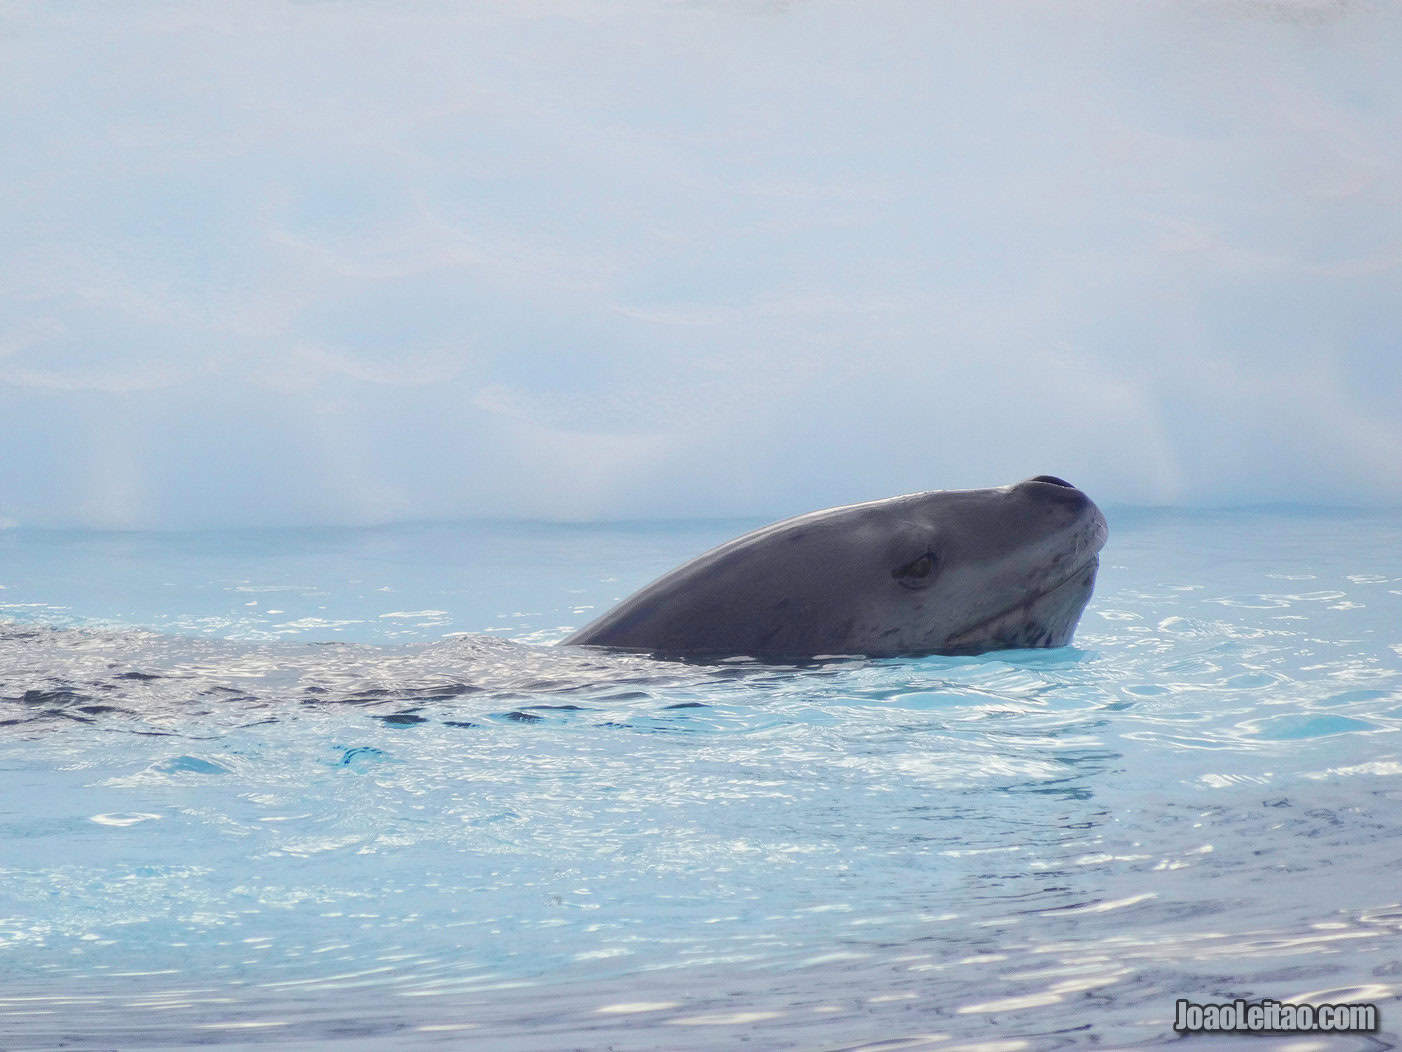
[[298, 786]]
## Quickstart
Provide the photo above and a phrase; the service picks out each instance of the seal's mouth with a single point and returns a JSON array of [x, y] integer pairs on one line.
[[1042, 619]]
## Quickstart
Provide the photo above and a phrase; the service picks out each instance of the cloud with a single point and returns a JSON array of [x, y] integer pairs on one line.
[[357, 261]]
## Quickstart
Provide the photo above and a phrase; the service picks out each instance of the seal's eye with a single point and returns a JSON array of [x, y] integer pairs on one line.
[[918, 572]]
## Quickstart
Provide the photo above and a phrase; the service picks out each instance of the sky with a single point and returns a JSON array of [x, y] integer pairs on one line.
[[358, 262]]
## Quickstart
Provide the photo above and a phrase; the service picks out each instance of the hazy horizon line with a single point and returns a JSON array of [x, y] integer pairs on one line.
[[1110, 508]]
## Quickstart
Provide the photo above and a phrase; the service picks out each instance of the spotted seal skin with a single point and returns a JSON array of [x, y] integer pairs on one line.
[[944, 572]]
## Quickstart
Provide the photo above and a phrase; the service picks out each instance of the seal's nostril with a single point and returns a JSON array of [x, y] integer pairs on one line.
[[1053, 480]]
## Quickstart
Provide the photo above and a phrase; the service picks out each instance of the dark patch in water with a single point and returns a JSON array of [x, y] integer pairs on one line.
[[436, 692], [440, 691], [370, 694], [460, 723], [137, 675], [51, 697], [520, 717], [688, 705], [555, 708], [401, 719]]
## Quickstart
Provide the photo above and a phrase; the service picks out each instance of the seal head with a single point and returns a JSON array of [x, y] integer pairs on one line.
[[944, 572]]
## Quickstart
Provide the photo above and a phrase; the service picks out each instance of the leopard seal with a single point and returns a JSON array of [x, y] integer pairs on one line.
[[943, 572]]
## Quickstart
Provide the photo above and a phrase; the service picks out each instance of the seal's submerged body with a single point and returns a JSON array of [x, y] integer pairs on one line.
[[947, 572]]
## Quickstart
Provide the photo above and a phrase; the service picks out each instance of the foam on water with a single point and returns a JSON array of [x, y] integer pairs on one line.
[[216, 833]]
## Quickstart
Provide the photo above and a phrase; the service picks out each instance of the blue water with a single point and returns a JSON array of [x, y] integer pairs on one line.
[[304, 786]]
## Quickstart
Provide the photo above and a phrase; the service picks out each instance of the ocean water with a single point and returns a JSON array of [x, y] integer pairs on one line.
[[311, 786]]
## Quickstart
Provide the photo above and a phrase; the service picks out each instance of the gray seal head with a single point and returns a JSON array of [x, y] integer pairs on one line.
[[947, 572]]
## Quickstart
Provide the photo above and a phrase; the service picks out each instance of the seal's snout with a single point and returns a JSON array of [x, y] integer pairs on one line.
[[1057, 495], [1051, 490]]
